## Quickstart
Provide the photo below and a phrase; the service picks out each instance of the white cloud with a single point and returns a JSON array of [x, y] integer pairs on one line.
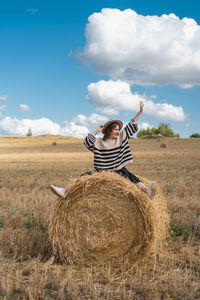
[[2, 107], [32, 10], [143, 50], [113, 96], [144, 125], [187, 125], [24, 107], [14, 126], [72, 129], [108, 110], [4, 97], [90, 120], [1, 115]]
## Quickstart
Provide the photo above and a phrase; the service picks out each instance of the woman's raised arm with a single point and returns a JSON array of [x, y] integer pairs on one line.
[[140, 112], [132, 126], [99, 129]]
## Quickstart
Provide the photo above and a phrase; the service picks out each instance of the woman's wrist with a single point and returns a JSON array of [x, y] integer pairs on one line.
[[95, 132]]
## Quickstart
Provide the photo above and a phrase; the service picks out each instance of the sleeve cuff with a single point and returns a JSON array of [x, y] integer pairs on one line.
[[93, 138], [92, 135], [133, 121]]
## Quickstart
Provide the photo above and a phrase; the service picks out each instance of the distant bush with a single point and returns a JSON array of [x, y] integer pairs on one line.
[[162, 130], [195, 135], [29, 133]]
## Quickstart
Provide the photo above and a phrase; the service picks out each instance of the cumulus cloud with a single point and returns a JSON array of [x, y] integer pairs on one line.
[[110, 97], [73, 129], [24, 107], [90, 120], [14, 126], [143, 50], [4, 97]]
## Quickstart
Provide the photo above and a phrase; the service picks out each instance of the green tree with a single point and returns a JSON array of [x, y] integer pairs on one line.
[[195, 135], [163, 129], [141, 133], [29, 133], [154, 130]]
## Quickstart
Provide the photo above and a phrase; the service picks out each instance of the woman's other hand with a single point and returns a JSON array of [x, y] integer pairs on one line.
[[100, 128]]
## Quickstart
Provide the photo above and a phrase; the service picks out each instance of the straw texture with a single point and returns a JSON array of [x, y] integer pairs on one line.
[[105, 217]]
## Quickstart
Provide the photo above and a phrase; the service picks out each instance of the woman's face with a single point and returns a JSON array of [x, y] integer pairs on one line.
[[114, 133]]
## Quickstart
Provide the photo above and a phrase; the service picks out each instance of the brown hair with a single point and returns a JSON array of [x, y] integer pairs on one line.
[[108, 130]]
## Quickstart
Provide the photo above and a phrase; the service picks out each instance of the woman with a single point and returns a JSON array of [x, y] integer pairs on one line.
[[112, 152]]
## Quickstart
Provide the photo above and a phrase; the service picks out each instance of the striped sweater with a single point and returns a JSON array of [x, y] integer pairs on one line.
[[112, 154]]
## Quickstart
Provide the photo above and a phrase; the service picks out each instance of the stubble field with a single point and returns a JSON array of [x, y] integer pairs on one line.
[[28, 269]]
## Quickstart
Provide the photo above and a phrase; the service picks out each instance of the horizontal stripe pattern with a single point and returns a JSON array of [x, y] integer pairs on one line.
[[112, 154], [131, 128], [89, 141], [114, 161], [118, 166], [111, 151]]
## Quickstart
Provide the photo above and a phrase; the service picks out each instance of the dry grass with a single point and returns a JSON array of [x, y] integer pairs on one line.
[[29, 270]]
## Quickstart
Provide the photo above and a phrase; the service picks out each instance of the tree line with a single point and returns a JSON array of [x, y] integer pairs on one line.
[[164, 129]]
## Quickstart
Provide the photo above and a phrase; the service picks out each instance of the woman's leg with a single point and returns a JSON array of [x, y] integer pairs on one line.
[[61, 191], [89, 173], [150, 190], [124, 172]]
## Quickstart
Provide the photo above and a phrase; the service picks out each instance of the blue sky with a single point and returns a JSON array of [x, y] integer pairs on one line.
[[47, 65]]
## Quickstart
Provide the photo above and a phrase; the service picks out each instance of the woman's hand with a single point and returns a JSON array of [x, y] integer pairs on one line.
[[100, 128], [140, 112], [141, 106]]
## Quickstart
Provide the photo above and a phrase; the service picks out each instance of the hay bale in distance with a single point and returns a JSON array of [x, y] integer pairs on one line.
[[163, 145], [54, 144], [105, 217]]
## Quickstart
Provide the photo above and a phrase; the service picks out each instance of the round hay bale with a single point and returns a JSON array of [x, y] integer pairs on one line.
[[54, 144], [163, 145], [105, 217]]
